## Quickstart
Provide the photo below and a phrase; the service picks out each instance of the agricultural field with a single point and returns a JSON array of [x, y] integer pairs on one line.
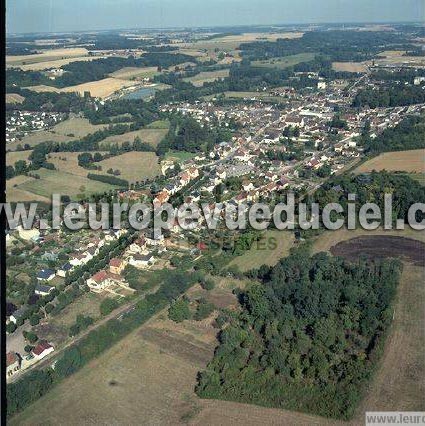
[[76, 127], [67, 162], [15, 193], [284, 62], [101, 88], [134, 73], [412, 161], [58, 182], [14, 156], [46, 57], [152, 136], [359, 67], [273, 245], [14, 98], [56, 63], [37, 137], [134, 166], [206, 77]]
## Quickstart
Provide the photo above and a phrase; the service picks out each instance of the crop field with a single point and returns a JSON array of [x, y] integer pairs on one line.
[[359, 67], [284, 62], [134, 73], [101, 88], [15, 193], [151, 136], [56, 63], [67, 162], [134, 166], [12, 157], [406, 161], [46, 56], [207, 76], [58, 182], [43, 88], [14, 98], [269, 250], [77, 127]]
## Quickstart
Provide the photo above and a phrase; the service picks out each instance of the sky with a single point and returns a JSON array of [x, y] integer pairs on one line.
[[23, 16]]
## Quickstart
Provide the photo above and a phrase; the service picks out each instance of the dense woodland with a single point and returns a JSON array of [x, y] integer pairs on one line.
[[307, 338], [408, 134], [390, 96]]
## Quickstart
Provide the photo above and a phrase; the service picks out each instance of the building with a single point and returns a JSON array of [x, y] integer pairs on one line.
[[45, 275], [64, 270], [43, 290], [141, 260], [42, 350], [13, 364], [19, 314], [117, 266]]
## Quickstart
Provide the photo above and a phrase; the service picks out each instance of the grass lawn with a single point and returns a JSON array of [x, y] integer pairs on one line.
[[14, 156], [77, 126], [179, 156], [207, 76], [57, 182], [134, 166], [269, 250], [152, 136]]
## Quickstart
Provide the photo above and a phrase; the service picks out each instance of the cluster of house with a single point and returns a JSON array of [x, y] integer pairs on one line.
[[137, 255], [21, 123], [15, 362]]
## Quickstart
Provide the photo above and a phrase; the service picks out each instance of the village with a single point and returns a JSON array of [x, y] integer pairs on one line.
[[293, 145]]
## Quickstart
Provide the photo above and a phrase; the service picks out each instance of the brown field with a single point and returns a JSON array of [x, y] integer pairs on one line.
[[43, 88], [38, 137], [350, 66], [406, 161], [207, 76], [151, 136], [56, 63], [13, 157], [48, 55], [77, 126], [14, 98], [101, 88], [134, 166], [133, 73], [67, 162], [381, 247], [327, 239]]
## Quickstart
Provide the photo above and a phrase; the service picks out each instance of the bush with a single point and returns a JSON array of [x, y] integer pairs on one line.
[[108, 305], [207, 284], [179, 310], [203, 310]]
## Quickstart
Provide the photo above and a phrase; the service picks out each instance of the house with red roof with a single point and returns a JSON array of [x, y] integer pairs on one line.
[[13, 364], [42, 350]]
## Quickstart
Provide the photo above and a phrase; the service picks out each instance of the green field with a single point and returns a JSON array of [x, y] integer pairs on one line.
[[285, 62], [152, 136], [269, 250], [57, 182], [179, 156]]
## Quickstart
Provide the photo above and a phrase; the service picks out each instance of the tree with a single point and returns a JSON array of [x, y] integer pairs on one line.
[[108, 305], [203, 310], [179, 310], [10, 327]]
